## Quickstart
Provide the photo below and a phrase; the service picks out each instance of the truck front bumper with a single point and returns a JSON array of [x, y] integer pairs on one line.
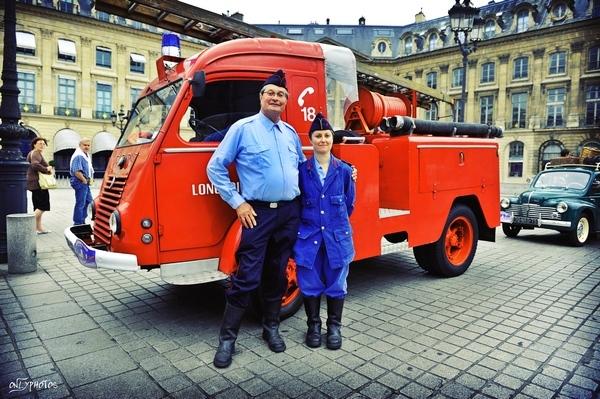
[[79, 238]]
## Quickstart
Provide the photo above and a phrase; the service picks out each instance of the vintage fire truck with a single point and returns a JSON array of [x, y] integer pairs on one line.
[[432, 186]]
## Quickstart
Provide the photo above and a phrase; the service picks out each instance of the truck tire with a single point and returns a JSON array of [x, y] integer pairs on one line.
[[292, 298], [453, 253], [510, 230], [580, 235]]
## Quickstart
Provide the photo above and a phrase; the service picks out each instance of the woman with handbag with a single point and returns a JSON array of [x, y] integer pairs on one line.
[[40, 197]]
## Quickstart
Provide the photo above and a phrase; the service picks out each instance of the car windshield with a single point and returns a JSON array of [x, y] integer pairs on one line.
[[562, 180], [148, 116]]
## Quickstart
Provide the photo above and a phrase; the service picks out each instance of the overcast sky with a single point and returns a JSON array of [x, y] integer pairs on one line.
[[376, 12]]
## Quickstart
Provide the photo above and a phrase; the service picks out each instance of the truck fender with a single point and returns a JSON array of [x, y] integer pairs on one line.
[[227, 260]]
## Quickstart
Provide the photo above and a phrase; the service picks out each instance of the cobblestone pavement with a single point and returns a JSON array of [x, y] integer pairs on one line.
[[522, 322]]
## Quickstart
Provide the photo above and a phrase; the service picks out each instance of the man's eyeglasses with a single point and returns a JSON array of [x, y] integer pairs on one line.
[[273, 93]]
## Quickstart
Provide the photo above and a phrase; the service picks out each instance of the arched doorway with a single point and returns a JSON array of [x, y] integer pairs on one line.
[[25, 142], [65, 143], [549, 150], [593, 143], [103, 145]]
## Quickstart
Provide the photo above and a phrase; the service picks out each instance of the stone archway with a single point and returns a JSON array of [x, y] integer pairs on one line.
[[65, 143]]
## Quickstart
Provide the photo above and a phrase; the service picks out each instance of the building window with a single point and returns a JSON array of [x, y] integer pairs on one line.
[[555, 106], [102, 16], [25, 43], [319, 31], [103, 57], [135, 94], [487, 72], [65, 6], [489, 30], [344, 31], [521, 68], [381, 47], [408, 46], [433, 41], [66, 50], [557, 63], [592, 102], [137, 63], [515, 159], [103, 101], [457, 77], [26, 85], [522, 20], [66, 97], [383, 32], [594, 58], [432, 113], [519, 110], [458, 105], [294, 31], [432, 80], [559, 10], [486, 108]]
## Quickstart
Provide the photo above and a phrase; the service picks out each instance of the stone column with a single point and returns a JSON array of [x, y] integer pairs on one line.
[[471, 108], [537, 111], [48, 82], [503, 77], [575, 101], [443, 86], [88, 89]]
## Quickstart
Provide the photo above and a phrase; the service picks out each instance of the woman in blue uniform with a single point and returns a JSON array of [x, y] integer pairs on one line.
[[324, 247]]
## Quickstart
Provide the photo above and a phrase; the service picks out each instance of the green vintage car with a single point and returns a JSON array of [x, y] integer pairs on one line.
[[565, 198]]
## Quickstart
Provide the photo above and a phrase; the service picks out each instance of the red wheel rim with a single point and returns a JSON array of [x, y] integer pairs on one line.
[[292, 290], [459, 241]]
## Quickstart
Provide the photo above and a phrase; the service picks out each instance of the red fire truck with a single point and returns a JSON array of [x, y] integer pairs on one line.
[[432, 186]]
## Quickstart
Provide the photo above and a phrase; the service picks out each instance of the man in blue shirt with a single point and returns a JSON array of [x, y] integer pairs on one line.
[[266, 152], [82, 173]]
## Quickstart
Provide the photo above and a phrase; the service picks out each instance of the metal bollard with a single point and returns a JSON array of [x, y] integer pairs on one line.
[[21, 243]]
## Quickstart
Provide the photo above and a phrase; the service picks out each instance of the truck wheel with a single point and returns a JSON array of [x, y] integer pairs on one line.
[[423, 256], [510, 230], [453, 253], [580, 235], [292, 298]]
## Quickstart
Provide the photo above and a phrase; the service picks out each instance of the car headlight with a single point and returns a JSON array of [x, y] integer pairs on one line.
[[114, 222], [504, 203], [562, 207]]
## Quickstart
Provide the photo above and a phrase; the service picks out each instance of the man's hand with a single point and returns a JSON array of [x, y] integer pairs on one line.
[[354, 173], [246, 215]]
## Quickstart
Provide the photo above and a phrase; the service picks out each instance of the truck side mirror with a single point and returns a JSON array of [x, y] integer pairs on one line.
[[198, 84]]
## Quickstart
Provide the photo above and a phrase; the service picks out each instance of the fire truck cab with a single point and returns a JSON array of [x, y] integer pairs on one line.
[[430, 185]]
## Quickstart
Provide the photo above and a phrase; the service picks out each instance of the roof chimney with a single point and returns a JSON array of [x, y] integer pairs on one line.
[[361, 21], [327, 21], [420, 17], [238, 16]]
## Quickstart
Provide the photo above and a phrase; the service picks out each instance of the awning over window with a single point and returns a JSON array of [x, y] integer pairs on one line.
[[66, 139], [67, 47], [103, 141], [138, 58], [26, 40]]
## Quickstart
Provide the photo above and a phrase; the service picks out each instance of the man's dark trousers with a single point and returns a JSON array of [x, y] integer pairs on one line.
[[264, 251]]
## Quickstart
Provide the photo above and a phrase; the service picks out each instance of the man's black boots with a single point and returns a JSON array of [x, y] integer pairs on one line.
[[312, 305], [334, 322], [227, 335], [270, 324]]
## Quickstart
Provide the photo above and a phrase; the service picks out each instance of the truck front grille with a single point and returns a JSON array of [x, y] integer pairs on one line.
[[110, 196]]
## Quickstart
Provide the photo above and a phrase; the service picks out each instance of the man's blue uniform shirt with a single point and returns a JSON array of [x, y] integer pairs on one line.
[[266, 157]]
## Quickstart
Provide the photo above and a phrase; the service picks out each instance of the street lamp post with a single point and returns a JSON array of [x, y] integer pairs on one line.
[[13, 167], [121, 118], [462, 22]]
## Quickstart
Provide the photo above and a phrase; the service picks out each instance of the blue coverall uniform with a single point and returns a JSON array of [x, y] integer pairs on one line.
[[324, 248]]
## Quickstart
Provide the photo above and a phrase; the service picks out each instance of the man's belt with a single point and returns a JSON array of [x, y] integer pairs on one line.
[[272, 204]]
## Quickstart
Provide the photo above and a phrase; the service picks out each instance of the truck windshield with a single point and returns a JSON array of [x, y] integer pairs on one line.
[[148, 116], [562, 180]]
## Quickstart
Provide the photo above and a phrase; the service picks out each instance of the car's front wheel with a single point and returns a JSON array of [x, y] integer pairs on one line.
[[580, 235], [510, 230]]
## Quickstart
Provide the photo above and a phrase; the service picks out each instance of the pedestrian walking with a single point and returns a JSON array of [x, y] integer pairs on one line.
[[82, 173]]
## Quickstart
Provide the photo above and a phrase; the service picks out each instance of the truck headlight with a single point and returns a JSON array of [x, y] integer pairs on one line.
[[114, 222], [504, 203], [562, 207]]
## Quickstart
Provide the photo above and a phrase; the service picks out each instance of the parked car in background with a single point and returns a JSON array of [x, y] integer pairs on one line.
[[565, 198]]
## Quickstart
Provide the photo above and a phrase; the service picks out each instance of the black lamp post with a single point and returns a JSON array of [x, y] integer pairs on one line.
[[13, 167], [462, 22], [121, 118]]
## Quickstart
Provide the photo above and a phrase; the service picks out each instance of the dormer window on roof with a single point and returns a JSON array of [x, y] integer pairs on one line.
[[522, 20]]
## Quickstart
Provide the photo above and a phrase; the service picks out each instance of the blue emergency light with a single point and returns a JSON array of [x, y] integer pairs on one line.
[[170, 44]]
